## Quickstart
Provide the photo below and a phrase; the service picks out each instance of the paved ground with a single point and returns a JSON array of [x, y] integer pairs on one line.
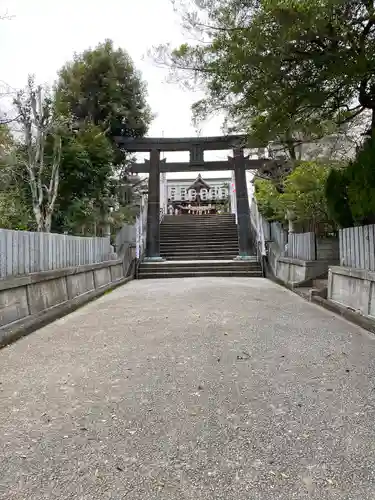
[[190, 389]]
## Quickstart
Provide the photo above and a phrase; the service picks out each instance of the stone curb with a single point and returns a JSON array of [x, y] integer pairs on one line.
[[349, 315], [315, 298]]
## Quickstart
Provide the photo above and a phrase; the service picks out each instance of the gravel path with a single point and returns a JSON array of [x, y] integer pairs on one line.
[[190, 389]]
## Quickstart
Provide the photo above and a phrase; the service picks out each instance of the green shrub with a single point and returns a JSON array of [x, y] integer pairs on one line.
[[268, 199], [302, 193]]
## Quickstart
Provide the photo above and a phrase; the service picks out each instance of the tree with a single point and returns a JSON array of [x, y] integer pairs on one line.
[[304, 193], [268, 199], [39, 124], [6, 140], [336, 193], [350, 191], [101, 86], [85, 172], [283, 70], [15, 212], [103, 95], [361, 184], [302, 196]]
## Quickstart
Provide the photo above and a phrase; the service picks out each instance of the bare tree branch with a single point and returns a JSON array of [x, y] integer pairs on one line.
[[38, 123]]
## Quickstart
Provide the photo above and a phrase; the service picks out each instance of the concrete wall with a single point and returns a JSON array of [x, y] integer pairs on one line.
[[353, 288], [295, 271], [328, 249], [28, 302]]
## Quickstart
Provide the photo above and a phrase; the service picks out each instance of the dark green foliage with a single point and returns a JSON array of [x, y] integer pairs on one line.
[[336, 192], [350, 192], [86, 163], [85, 171], [361, 184], [103, 87]]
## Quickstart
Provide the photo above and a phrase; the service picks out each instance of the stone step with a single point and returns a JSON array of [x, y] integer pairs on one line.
[[183, 251], [195, 243], [168, 217], [180, 222], [207, 238], [200, 241], [200, 229], [320, 283], [201, 223], [226, 214], [201, 274], [179, 266], [185, 237], [199, 237], [199, 247], [198, 220], [198, 253], [195, 262], [192, 256], [198, 234], [203, 240], [202, 247], [197, 224], [228, 263]]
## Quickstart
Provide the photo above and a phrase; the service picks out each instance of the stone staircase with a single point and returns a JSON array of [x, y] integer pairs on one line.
[[199, 246]]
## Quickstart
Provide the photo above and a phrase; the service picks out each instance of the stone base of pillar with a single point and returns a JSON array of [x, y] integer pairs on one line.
[[245, 257], [154, 259]]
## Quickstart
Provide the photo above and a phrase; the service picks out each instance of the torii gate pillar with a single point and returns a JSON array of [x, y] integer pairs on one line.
[[153, 209], [246, 250]]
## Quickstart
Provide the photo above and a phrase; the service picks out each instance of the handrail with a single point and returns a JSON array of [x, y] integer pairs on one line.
[[257, 223], [161, 215], [141, 232], [260, 231]]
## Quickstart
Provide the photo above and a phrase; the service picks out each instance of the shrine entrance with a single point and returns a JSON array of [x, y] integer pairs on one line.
[[196, 147]]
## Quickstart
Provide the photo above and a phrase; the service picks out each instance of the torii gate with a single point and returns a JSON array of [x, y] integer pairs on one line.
[[196, 146]]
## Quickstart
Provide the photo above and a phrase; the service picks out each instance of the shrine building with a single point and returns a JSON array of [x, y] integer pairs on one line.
[[187, 194]]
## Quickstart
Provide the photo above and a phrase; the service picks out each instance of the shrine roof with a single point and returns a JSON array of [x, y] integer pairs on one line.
[[199, 183]]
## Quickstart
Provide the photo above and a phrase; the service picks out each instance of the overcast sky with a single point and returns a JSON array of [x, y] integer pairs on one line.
[[44, 34]]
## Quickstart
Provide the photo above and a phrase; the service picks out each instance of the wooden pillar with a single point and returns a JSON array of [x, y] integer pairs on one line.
[[246, 249], [153, 210]]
